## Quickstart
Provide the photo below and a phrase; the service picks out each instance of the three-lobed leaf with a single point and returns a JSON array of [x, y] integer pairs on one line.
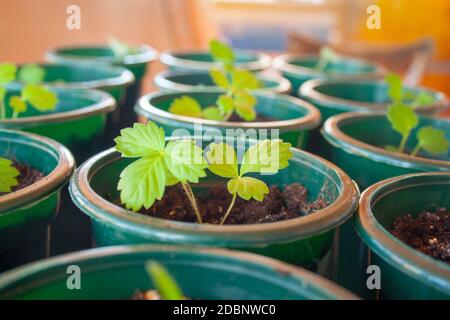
[[432, 140], [40, 97], [402, 118], [8, 175], [186, 106], [31, 73]]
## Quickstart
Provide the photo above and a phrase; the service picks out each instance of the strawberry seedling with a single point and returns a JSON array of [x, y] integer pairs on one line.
[[8, 175]]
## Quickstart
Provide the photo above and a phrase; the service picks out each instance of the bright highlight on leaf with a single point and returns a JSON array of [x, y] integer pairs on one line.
[[39, 97], [163, 282], [247, 188], [327, 56], [8, 175], [221, 52], [31, 73], [186, 106]]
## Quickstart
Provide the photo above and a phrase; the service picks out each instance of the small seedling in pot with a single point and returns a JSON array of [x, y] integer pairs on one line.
[[36, 95], [181, 161], [121, 49], [8, 175], [166, 287], [403, 119], [236, 83], [398, 94], [327, 56]]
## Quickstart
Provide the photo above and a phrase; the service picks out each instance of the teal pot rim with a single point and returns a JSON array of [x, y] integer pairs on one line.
[[312, 120], [102, 210], [106, 104], [124, 78], [169, 58], [52, 182], [304, 276], [161, 80], [338, 139], [396, 253], [146, 55], [282, 63], [308, 90]]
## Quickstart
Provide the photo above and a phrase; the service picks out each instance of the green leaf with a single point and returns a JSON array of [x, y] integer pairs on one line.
[[186, 106], [7, 73], [2, 94], [402, 118], [222, 160], [17, 104], [221, 52], [212, 113], [121, 49], [423, 99], [267, 156], [31, 73], [395, 87], [219, 78], [185, 161], [225, 104], [39, 97], [433, 140], [247, 188], [141, 140], [8, 175], [163, 282], [142, 182], [328, 54], [244, 104], [245, 80]]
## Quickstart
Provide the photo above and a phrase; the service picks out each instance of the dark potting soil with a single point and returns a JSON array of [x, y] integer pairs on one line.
[[146, 295], [277, 205], [27, 176], [429, 232]]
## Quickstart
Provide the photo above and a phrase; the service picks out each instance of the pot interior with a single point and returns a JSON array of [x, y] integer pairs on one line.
[[29, 151], [80, 73], [117, 273], [366, 92], [241, 57], [204, 79], [342, 67], [320, 180], [410, 196], [87, 52], [69, 100], [377, 131], [271, 106]]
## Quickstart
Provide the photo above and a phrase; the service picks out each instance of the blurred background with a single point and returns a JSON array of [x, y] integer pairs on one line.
[[413, 40]]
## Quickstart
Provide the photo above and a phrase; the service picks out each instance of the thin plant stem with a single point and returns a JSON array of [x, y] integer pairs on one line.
[[416, 150], [321, 65], [187, 189], [15, 115], [403, 143], [229, 209], [2, 110]]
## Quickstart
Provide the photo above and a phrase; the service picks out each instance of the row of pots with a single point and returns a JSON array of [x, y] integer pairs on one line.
[[113, 225]]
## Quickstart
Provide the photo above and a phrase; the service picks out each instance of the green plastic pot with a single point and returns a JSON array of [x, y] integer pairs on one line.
[[294, 117], [358, 141], [112, 79], [299, 68], [103, 55], [302, 241], [190, 80], [337, 96], [357, 146], [116, 272], [26, 214], [203, 61], [405, 272], [78, 122]]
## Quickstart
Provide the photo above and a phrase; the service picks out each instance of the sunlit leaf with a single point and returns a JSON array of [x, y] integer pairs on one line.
[[433, 140], [222, 160], [247, 188], [39, 97], [8, 175], [186, 106], [141, 140]]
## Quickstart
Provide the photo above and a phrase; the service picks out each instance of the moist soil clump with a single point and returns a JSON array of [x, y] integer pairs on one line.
[[278, 205], [429, 232]]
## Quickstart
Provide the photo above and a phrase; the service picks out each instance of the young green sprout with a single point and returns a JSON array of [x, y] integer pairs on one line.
[[166, 286], [181, 161], [32, 93], [121, 49], [8, 175], [327, 56], [236, 83], [403, 119]]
